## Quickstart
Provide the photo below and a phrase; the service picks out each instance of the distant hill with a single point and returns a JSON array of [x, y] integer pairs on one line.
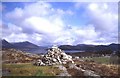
[[24, 46], [19, 45], [6, 44], [114, 46], [83, 47], [30, 47]]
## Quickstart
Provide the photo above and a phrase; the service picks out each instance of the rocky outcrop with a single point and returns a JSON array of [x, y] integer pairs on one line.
[[55, 56], [64, 71], [85, 72], [17, 56]]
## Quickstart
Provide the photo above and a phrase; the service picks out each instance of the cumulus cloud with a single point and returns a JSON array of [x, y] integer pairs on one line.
[[102, 17], [42, 24], [105, 20]]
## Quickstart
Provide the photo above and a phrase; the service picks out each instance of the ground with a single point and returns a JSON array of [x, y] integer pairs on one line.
[[11, 67], [101, 60], [28, 69]]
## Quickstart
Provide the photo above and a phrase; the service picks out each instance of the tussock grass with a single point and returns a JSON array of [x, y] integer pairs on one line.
[[101, 60], [27, 69]]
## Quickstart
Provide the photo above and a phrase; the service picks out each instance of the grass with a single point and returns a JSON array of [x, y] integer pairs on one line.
[[27, 69], [39, 73], [102, 60]]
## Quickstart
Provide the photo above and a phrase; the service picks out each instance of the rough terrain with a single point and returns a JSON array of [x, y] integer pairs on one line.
[[56, 61]]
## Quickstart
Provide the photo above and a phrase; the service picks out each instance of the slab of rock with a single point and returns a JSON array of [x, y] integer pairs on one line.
[[64, 71]]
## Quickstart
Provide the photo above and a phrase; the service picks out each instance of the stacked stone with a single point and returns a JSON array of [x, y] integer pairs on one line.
[[55, 56]]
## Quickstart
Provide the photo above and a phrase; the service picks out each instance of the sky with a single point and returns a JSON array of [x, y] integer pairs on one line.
[[60, 23]]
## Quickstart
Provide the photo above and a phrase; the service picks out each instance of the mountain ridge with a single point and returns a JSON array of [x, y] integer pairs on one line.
[[24, 46], [28, 46]]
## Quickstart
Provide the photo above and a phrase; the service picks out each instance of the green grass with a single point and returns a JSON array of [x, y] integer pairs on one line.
[[102, 60], [39, 73], [27, 69]]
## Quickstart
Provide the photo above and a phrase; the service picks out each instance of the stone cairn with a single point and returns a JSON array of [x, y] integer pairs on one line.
[[54, 56]]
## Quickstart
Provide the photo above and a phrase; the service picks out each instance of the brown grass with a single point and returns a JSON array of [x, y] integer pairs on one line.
[[27, 69]]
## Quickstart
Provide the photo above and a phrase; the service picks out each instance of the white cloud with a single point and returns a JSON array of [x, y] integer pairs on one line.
[[103, 18], [17, 13], [42, 24], [39, 24], [69, 12], [35, 22], [93, 6], [77, 5]]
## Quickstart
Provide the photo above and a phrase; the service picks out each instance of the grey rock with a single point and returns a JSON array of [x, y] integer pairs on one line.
[[55, 56], [64, 71], [91, 73]]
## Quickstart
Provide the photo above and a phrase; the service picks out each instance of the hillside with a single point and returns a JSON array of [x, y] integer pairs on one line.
[[17, 56], [24, 46], [6, 44], [30, 47], [19, 63], [91, 48]]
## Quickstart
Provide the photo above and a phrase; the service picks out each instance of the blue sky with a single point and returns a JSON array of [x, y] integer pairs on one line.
[[48, 23]]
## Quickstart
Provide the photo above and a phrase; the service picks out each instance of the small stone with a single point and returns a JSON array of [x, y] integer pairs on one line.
[[54, 60]]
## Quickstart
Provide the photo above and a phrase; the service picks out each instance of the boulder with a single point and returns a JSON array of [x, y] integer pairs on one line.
[[39, 63]]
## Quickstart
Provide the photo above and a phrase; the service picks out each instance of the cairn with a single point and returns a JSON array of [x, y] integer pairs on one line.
[[55, 56]]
